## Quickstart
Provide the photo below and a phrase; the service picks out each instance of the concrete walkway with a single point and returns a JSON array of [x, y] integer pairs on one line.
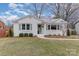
[[42, 37]]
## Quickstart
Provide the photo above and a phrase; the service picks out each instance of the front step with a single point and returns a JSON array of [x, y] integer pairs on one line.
[[40, 35]]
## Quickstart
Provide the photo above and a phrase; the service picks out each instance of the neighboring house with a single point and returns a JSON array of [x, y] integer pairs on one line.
[[3, 29], [42, 26]]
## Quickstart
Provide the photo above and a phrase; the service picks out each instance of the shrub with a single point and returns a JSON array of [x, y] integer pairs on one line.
[[49, 35], [55, 35], [73, 32], [10, 33], [68, 33], [30, 35], [26, 35], [21, 35]]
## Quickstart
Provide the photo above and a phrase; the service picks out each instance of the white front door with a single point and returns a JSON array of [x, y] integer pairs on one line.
[[39, 29]]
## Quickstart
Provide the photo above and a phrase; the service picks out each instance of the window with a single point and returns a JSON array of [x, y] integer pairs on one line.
[[28, 26], [53, 27], [48, 27], [23, 26]]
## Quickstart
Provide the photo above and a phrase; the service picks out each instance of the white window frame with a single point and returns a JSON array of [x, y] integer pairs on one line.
[[20, 26], [30, 26], [57, 27]]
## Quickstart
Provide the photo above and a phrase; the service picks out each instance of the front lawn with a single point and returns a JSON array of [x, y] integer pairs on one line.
[[32, 46]]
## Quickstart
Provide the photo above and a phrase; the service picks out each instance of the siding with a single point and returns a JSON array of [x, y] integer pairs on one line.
[[34, 30]]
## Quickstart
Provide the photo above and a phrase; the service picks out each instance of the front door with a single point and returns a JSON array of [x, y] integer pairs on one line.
[[40, 28]]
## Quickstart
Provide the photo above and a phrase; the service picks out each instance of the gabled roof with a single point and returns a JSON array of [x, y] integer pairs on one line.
[[43, 19], [26, 17]]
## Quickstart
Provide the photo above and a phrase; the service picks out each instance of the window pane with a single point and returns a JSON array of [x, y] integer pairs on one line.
[[53, 27], [23, 26], [28, 26], [48, 27]]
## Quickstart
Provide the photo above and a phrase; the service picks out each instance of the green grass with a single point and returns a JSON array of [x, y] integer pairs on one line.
[[31, 46]]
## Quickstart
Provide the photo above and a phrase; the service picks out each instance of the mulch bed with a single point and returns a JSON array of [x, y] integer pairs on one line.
[[53, 36], [57, 36]]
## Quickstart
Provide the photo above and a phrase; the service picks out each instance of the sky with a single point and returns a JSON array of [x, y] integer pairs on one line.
[[9, 12]]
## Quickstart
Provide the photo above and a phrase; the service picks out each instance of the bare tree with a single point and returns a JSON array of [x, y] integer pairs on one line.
[[35, 9], [69, 11], [66, 11], [38, 9], [70, 14]]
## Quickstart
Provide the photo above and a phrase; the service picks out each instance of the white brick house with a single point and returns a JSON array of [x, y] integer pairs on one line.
[[42, 26]]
